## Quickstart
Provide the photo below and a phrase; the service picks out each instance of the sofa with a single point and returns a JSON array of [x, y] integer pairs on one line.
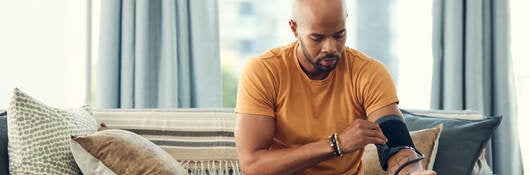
[[200, 141]]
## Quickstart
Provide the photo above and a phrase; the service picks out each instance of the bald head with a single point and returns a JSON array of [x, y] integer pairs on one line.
[[318, 11], [320, 27]]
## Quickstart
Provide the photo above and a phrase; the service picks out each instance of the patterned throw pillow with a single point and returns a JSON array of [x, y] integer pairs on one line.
[[425, 140], [39, 136], [116, 151]]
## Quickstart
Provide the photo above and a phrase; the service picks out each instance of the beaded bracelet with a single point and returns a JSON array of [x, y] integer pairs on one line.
[[334, 143], [337, 143]]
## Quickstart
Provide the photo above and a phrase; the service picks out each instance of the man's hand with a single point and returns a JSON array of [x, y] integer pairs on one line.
[[359, 134]]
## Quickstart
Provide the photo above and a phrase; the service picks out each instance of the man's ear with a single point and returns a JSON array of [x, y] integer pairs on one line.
[[293, 26]]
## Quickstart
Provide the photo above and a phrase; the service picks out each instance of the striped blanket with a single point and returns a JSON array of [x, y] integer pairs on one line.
[[201, 140]]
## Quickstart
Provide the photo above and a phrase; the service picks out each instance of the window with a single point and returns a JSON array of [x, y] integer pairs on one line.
[[246, 8], [520, 55], [43, 51], [401, 38], [245, 46]]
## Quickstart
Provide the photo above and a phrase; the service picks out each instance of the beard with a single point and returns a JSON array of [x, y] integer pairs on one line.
[[318, 62]]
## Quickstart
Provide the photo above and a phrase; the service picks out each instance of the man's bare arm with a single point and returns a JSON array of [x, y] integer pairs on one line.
[[404, 155], [253, 136]]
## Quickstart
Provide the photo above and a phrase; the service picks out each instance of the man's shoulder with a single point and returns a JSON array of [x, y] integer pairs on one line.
[[277, 52], [361, 62], [273, 61], [358, 58], [275, 57]]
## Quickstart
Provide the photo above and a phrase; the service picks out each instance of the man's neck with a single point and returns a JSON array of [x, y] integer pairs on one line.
[[308, 68]]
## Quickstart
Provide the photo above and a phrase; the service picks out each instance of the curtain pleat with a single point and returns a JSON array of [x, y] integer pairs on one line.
[[472, 70], [158, 54]]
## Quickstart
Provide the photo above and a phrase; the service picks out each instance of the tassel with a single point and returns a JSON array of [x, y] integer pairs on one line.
[[211, 167], [235, 168]]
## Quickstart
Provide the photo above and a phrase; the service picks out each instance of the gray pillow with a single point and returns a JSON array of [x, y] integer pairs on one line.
[[4, 159], [460, 143]]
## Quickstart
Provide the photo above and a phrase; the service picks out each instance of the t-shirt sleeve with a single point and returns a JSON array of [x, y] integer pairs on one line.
[[377, 87], [256, 92]]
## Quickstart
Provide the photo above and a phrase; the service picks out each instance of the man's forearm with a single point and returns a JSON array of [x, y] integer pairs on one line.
[[288, 160], [400, 158]]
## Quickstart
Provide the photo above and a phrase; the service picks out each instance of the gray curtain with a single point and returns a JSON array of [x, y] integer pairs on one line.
[[158, 54], [472, 69]]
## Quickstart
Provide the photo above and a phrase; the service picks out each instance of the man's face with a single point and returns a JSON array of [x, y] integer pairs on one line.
[[320, 27], [322, 38], [323, 51]]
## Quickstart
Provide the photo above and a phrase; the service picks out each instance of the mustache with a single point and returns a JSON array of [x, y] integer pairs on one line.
[[335, 56]]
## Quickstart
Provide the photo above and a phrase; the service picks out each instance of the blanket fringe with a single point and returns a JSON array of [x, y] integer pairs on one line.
[[211, 167]]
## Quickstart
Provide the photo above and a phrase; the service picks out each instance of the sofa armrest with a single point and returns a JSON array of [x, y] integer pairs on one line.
[[4, 157]]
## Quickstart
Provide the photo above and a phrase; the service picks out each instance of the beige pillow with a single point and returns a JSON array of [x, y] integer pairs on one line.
[[115, 151], [426, 141]]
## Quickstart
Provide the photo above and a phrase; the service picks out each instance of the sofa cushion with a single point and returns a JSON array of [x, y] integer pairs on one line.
[[461, 141], [426, 141], [39, 136], [4, 158], [115, 151]]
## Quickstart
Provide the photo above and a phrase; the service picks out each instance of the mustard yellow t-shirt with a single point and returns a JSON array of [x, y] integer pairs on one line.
[[306, 110]]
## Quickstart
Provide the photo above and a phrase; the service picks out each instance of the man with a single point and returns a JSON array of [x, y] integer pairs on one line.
[[311, 107]]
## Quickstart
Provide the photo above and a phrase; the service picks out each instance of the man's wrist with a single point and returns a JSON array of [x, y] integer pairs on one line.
[[406, 168], [405, 162], [335, 144]]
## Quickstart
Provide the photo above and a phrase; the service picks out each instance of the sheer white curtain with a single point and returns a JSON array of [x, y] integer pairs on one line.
[[519, 41]]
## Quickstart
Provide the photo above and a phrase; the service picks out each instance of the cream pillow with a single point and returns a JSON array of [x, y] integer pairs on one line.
[[39, 136], [115, 151], [426, 141]]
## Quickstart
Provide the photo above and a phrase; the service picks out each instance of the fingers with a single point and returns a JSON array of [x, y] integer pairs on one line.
[[376, 137], [369, 125], [361, 133], [372, 130]]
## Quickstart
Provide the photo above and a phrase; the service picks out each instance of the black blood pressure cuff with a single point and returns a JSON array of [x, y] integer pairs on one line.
[[398, 137]]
